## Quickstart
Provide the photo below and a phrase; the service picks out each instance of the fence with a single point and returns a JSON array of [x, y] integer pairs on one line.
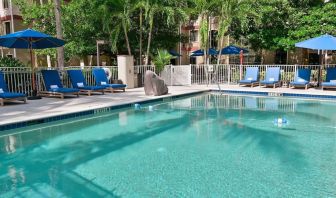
[[231, 74], [139, 71], [19, 79]]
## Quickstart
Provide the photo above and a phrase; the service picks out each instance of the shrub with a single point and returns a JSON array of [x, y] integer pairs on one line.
[[161, 60], [10, 62]]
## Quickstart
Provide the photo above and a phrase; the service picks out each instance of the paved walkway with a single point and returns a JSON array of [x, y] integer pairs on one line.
[[48, 107]]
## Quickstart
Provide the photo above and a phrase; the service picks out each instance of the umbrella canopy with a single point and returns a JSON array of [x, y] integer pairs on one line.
[[30, 39], [231, 49], [200, 52], [174, 53], [324, 42]]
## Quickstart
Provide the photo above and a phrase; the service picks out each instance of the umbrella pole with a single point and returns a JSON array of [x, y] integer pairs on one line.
[[33, 71], [34, 92]]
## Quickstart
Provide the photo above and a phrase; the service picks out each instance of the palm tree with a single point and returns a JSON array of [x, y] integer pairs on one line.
[[117, 18], [227, 11], [60, 50], [170, 8], [204, 9]]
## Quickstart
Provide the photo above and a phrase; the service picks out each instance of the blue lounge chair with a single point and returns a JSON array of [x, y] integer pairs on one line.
[[53, 85], [6, 96], [331, 79], [78, 81], [101, 80], [272, 77], [251, 77], [302, 78]]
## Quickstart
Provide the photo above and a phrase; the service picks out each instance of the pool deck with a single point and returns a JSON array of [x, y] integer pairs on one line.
[[49, 107]]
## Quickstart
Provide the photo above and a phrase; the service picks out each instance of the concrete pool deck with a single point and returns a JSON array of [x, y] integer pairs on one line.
[[49, 107]]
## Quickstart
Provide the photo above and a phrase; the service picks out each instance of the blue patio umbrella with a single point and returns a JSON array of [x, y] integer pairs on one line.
[[200, 52], [324, 42], [231, 49], [174, 53], [30, 39]]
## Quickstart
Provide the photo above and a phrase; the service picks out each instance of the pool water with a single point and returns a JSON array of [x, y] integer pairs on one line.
[[207, 145]]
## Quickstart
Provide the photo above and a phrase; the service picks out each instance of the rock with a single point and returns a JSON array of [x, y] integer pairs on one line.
[[154, 85]]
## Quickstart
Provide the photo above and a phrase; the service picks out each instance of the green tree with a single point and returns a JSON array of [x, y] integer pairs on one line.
[[316, 21], [170, 9], [229, 10], [117, 18], [161, 60], [204, 10]]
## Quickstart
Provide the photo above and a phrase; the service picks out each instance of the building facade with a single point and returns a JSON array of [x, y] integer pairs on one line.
[[11, 21], [296, 56]]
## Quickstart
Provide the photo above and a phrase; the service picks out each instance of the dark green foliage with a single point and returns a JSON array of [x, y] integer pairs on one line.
[[10, 62]]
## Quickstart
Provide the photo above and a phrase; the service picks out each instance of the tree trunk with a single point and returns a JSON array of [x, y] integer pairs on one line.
[[60, 50], [220, 46], [149, 40], [127, 41], [140, 53]]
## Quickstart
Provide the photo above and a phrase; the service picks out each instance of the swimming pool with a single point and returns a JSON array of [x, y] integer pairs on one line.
[[207, 145]]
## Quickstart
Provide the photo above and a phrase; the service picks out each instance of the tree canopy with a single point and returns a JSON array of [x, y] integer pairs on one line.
[[155, 24]]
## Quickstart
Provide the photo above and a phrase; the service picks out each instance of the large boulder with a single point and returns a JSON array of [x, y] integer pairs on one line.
[[154, 85]]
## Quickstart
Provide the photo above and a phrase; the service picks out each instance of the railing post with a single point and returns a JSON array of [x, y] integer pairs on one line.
[[229, 73], [240, 72]]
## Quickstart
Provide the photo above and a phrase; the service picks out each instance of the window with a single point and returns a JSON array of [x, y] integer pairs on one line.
[[5, 4], [193, 36], [9, 55], [7, 27]]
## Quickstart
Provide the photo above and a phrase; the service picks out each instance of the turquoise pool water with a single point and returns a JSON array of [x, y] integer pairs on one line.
[[203, 146]]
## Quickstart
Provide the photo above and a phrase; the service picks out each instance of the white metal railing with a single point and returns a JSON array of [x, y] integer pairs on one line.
[[231, 74], [19, 79], [140, 70]]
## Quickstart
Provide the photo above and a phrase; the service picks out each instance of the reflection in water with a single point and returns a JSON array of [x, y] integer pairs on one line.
[[123, 118], [17, 176], [79, 159], [213, 101], [10, 144]]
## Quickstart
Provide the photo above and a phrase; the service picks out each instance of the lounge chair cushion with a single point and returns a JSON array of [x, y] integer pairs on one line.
[[247, 81], [1, 90], [101, 79], [332, 81], [64, 90], [92, 88], [115, 86], [11, 95], [329, 84], [272, 76], [299, 83], [268, 82], [301, 80]]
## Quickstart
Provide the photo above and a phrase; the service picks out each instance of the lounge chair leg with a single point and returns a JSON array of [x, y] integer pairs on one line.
[[62, 96], [25, 100], [2, 102], [89, 93]]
